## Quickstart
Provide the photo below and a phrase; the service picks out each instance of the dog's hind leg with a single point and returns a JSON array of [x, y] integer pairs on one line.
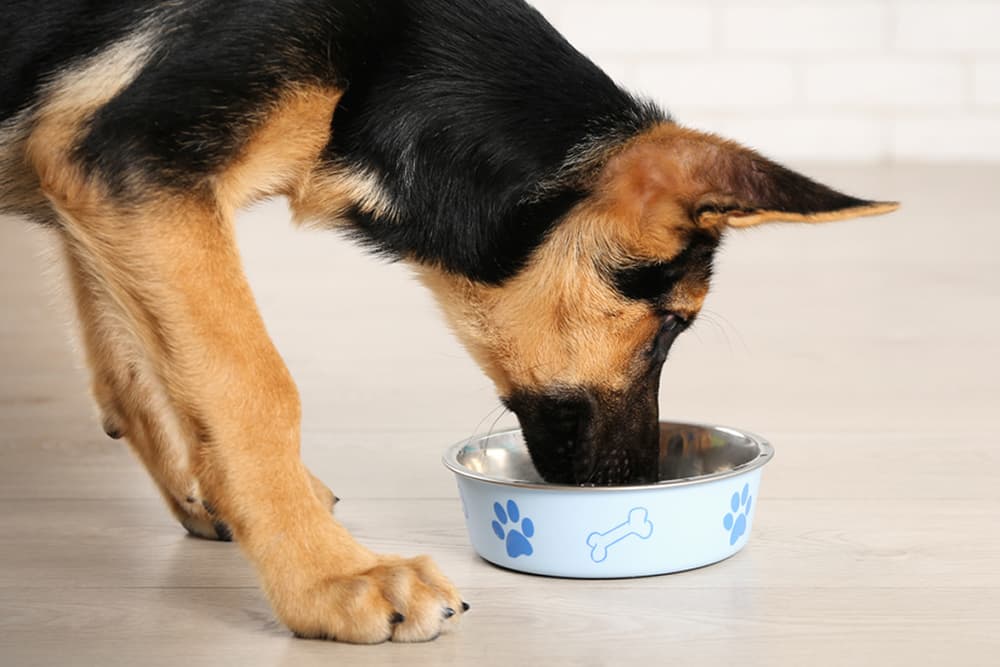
[[131, 400], [133, 403]]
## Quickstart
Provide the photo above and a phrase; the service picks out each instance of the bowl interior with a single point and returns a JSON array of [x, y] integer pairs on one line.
[[687, 452]]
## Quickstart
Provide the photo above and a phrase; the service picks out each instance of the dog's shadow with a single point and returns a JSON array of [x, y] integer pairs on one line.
[[212, 582]]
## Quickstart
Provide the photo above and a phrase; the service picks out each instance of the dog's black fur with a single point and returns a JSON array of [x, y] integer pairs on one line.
[[461, 111], [650, 281]]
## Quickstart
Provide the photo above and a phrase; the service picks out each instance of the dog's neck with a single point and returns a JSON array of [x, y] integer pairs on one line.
[[470, 133]]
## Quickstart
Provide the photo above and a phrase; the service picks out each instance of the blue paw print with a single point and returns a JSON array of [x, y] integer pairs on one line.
[[517, 540], [736, 521]]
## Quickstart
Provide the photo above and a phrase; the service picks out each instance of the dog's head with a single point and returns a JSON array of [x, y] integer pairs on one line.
[[576, 340]]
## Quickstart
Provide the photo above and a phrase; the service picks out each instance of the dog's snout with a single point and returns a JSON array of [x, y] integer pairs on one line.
[[586, 437]]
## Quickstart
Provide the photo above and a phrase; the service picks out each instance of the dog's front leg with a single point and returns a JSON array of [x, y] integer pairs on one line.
[[173, 270]]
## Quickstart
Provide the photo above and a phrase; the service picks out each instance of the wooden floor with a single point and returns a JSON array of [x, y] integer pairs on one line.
[[868, 352]]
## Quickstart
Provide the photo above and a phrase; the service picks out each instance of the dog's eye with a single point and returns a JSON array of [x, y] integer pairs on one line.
[[670, 327], [671, 323]]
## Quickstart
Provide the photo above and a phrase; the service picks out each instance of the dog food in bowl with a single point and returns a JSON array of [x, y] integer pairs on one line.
[[700, 512]]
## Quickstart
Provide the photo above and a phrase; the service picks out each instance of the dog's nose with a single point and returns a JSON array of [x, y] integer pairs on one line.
[[585, 437]]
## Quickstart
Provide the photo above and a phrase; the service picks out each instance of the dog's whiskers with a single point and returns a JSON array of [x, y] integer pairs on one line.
[[484, 440], [482, 421], [475, 431], [724, 325], [494, 425]]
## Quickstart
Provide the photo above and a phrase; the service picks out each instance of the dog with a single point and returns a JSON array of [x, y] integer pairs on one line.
[[566, 227]]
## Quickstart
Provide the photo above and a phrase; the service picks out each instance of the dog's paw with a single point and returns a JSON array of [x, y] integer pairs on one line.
[[207, 529], [402, 600], [200, 520]]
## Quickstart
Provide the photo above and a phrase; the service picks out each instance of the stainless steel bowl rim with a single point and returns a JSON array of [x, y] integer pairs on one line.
[[764, 456]]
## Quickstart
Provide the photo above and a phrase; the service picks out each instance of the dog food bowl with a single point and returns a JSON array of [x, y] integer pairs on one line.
[[700, 512]]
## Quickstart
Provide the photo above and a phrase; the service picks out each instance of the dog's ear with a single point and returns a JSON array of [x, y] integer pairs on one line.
[[720, 183], [746, 190]]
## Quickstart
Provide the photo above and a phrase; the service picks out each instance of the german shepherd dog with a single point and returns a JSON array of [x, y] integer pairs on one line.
[[566, 227]]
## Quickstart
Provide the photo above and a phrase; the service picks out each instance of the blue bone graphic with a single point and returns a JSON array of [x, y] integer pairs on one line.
[[637, 525]]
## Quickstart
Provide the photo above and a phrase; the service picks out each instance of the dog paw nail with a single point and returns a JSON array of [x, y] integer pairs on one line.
[[466, 606], [449, 612], [396, 619], [336, 499], [222, 531]]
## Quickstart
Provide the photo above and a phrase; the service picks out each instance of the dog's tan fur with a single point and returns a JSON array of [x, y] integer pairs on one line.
[[323, 196], [765, 217], [640, 210], [558, 322], [281, 156]]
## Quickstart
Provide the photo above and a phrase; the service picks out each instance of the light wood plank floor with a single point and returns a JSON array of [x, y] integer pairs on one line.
[[868, 352]]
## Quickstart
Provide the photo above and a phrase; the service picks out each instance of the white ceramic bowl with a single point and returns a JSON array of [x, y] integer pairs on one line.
[[701, 511]]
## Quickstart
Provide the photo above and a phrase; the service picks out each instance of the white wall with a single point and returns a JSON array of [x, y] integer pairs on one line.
[[844, 80]]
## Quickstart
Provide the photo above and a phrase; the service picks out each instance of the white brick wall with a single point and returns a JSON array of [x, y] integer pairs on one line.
[[846, 80]]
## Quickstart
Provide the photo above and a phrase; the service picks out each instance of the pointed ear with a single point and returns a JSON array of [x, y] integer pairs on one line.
[[724, 184], [753, 190]]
